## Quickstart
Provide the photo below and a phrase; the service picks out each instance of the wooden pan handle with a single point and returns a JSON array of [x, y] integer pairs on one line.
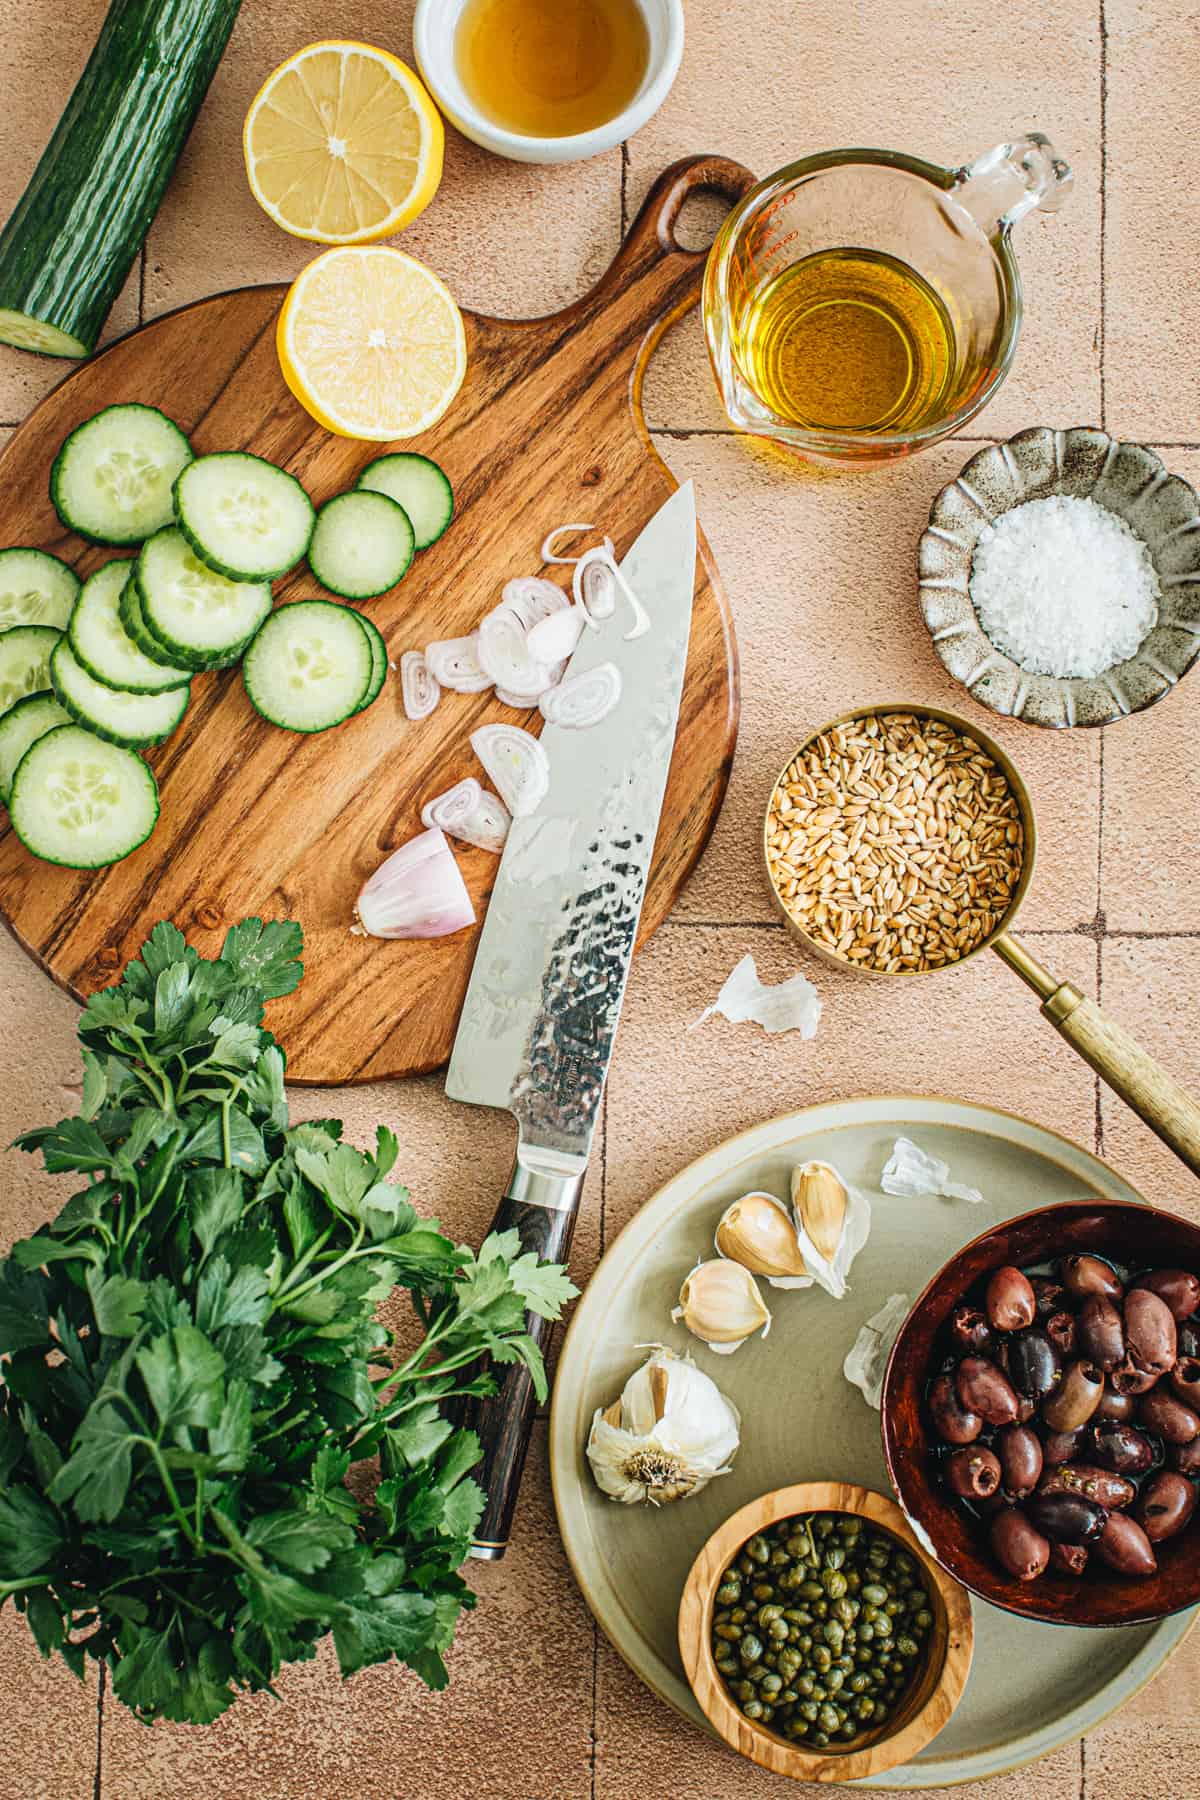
[[1130, 1071]]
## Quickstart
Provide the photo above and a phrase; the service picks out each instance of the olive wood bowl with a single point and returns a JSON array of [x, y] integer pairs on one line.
[[935, 1692], [1138, 1237]]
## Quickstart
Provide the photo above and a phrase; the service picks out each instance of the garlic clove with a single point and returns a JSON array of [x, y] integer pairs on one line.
[[833, 1222], [757, 1232], [670, 1432], [720, 1304]]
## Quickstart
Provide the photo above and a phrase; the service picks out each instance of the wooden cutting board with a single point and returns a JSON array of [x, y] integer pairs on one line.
[[548, 427]]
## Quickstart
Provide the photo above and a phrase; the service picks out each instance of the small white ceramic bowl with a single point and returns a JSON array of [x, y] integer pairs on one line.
[[434, 28]]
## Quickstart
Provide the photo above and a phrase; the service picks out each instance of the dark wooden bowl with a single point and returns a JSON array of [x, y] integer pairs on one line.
[[1138, 1236]]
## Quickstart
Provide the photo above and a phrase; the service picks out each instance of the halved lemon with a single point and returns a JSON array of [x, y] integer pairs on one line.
[[371, 343], [343, 145]]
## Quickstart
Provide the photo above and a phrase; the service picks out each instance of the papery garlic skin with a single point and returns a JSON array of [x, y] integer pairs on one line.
[[833, 1222], [666, 1437], [756, 1231], [910, 1172], [867, 1358], [720, 1304]]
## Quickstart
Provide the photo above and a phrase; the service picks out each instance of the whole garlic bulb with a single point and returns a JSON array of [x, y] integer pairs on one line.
[[719, 1303], [666, 1437], [757, 1232]]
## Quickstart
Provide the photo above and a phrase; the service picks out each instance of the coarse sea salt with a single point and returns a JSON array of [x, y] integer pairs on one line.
[[1064, 587]]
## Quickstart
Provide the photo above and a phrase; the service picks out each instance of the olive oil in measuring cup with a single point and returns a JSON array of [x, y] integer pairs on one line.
[[851, 340], [552, 68]]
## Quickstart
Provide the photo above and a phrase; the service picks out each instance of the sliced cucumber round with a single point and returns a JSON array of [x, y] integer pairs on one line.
[[122, 718], [35, 589], [379, 661], [103, 647], [420, 486], [362, 545], [21, 726], [310, 666], [25, 652], [243, 516], [203, 619], [82, 802], [112, 480]]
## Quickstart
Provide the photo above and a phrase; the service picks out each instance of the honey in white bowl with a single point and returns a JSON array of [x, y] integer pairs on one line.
[[552, 68]]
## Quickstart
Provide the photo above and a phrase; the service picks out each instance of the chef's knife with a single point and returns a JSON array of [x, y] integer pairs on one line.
[[538, 1023]]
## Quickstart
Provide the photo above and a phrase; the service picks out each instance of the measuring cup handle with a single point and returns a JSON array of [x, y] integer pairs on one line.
[[1005, 183], [1130, 1071]]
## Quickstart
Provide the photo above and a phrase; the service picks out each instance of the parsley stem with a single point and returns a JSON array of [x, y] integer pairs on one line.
[[347, 1256]]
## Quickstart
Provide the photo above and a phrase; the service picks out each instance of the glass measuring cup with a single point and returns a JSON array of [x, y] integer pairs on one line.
[[1158, 1099], [861, 304]]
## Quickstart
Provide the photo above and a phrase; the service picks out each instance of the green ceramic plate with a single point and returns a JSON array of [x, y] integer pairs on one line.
[[1032, 1687]]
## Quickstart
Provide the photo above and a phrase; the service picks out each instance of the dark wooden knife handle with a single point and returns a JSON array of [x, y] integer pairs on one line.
[[504, 1420]]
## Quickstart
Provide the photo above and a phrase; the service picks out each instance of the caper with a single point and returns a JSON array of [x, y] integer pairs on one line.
[[738, 1616], [812, 1590], [729, 1591], [875, 1594], [763, 1590], [835, 1680], [828, 1718], [835, 1556], [805, 1685], [758, 1549], [750, 1648], [858, 1682], [770, 1684], [822, 1657], [907, 1646], [753, 1709], [834, 1583], [730, 1633]]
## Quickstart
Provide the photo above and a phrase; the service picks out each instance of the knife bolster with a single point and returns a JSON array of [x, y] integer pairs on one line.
[[535, 1182]]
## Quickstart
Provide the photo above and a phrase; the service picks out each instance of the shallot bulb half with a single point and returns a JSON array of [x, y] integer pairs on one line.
[[417, 893]]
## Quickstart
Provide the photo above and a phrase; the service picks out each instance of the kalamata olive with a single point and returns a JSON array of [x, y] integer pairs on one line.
[[1185, 1380], [1150, 1332], [1099, 1332], [1060, 1329], [1068, 1559], [1075, 1398], [1048, 1294], [970, 1330], [1174, 1422], [1017, 1546], [1185, 1457], [972, 1472], [1021, 1459], [1010, 1303], [1120, 1407], [1188, 1338], [951, 1419], [1100, 1485], [1180, 1290], [1127, 1378], [1034, 1365], [1125, 1547], [1067, 1518], [1060, 1446], [1083, 1275], [1120, 1447], [984, 1390], [1165, 1505]]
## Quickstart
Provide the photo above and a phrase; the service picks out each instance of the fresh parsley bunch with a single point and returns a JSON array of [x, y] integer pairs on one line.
[[192, 1362]]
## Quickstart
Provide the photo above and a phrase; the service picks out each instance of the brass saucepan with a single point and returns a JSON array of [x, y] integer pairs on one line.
[[1157, 1098]]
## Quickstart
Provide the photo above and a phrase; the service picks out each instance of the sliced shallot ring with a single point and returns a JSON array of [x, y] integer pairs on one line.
[[454, 662], [487, 828], [447, 811], [554, 639], [519, 702], [517, 764], [503, 652], [419, 687], [549, 554], [599, 593], [584, 699], [533, 597]]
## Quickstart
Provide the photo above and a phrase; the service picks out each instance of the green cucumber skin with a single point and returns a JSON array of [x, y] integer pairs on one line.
[[80, 223], [57, 861], [227, 569], [56, 473], [133, 618], [103, 731], [379, 665]]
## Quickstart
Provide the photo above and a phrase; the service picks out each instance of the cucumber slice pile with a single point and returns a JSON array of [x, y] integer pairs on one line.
[[25, 653], [90, 673], [419, 486], [242, 516], [310, 666], [122, 718], [21, 726], [81, 802], [113, 478], [102, 646], [201, 618], [362, 545], [35, 589]]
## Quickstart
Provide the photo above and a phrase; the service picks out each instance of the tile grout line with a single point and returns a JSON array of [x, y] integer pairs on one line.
[[624, 188], [1101, 921], [1103, 22]]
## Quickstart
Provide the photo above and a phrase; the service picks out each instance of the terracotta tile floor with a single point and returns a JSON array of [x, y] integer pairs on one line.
[[819, 570]]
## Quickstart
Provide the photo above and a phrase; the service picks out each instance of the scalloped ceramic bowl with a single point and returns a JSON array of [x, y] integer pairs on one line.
[[1130, 481]]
